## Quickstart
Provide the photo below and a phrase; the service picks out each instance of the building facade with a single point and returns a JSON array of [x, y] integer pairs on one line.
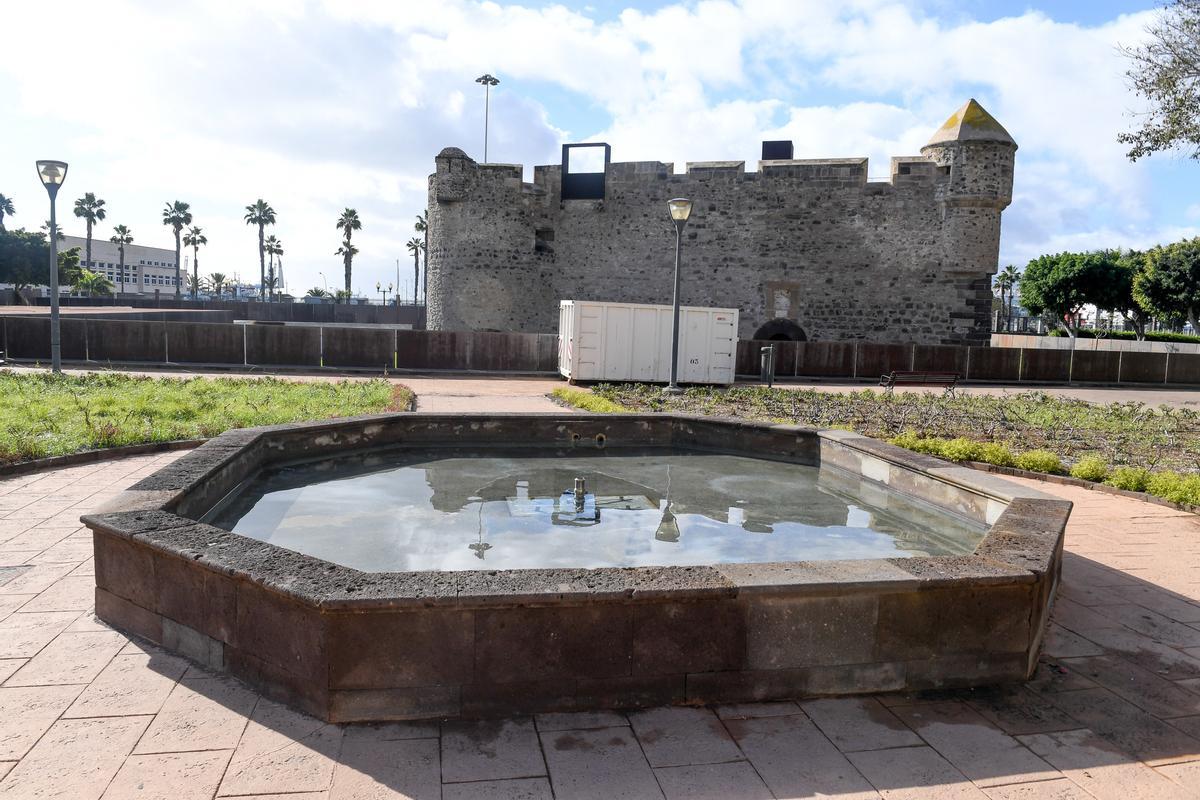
[[805, 249], [147, 269]]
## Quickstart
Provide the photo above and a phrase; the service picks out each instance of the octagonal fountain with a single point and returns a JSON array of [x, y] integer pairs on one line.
[[425, 565]]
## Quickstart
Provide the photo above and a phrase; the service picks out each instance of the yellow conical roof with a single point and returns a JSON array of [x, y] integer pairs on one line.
[[971, 123]]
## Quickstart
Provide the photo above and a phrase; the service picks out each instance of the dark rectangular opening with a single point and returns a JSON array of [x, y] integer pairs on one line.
[[778, 150], [584, 185]]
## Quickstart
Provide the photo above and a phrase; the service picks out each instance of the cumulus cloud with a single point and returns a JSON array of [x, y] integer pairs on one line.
[[329, 103]]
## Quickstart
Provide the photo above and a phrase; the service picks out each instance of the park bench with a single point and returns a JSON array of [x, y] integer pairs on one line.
[[946, 380]]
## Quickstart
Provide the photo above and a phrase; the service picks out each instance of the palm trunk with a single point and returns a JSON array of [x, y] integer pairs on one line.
[[178, 272], [195, 269], [89, 243], [121, 260], [425, 277], [262, 265], [349, 259], [416, 275]]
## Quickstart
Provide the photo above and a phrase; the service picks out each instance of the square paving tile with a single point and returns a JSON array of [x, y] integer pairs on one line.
[[65, 594], [384, 768], [601, 764], [580, 720], [491, 750], [69, 658], [129, 685], [858, 723], [796, 760], [713, 782], [914, 773], [675, 736], [23, 635], [28, 712], [515, 789], [282, 751], [75, 759], [1104, 771], [177, 776], [975, 747], [202, 713]]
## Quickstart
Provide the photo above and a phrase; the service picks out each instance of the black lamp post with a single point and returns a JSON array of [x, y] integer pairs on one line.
[[488, 82], [52, 175], [681, 209]]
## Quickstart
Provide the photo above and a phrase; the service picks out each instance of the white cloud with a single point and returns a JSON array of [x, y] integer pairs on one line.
[[331, 103]]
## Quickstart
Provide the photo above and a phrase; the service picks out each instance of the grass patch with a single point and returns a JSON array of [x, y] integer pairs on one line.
[[586, 401], [44, 415]]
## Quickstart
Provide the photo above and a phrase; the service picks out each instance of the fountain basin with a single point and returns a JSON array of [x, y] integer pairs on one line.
[[465, 639]]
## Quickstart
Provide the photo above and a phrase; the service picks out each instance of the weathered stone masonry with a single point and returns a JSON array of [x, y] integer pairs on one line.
[[803, 248]]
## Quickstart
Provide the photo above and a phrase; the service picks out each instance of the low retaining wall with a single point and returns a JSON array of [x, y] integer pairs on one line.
[[1086, 343], [869, 360], [253, 309], [221, 344]]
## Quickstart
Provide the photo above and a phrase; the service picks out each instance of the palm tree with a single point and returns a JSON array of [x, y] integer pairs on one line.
[[177, 215], [316, 291], [91, 283], [1007, 282], [6, 208], [216, 282], [194, 239], [57, 229], [262, 215], [272, 248], [91, 209], [121, 237], [415, 246], [422, 227], [347, 251], [349, 222]]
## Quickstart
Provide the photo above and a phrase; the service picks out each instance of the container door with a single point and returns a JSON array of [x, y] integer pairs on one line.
[[645, 344], [724, 347], [662, 371], [618, 344], [589, 344], [695, 351], [564, 339]]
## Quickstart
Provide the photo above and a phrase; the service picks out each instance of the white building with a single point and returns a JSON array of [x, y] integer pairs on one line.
[[146, 268]]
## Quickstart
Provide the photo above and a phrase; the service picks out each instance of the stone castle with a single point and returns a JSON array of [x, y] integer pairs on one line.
[[806, 249]]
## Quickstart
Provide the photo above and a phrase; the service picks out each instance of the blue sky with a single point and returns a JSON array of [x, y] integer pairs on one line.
[[316, 105]]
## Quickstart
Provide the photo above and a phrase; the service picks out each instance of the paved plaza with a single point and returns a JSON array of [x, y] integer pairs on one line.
[[1114, 712]]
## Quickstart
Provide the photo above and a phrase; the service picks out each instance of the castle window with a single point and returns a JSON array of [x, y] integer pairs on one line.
[[945, 170], [543, 240], [905, 169]]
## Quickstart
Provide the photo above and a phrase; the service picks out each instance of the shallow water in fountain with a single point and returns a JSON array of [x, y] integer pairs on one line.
[[444, 509]]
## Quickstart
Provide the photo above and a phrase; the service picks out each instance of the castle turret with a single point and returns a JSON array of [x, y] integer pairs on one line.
[[974, 158]]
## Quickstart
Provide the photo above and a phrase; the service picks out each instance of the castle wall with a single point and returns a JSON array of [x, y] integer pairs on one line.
[[808, 241]]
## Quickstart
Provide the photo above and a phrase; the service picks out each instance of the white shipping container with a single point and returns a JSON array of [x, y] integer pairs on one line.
[[632, 342]]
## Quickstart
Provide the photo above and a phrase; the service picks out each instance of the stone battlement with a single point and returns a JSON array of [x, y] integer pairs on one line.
[[806, 248]]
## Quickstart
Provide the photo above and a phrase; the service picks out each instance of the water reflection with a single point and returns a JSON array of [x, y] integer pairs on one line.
[[453, 509]]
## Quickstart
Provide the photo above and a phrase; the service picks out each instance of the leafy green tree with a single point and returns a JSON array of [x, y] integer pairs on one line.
[[91, 283], [176, 215], [422, 227], [1006, 282], [348, 222], [262, 215], [6, 210], [90, 209], [273, 248], [1063, 284], [316, 291], [1166, 72], [23, 257], [1122, 298], [415, 246], [342, 296], [1169, 286], [121, 237], [195, 239]]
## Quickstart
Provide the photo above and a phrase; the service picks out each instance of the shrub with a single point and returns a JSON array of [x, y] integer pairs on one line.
[[960, 449], [1090, 468], [1131, 479], [1040, 461], [1175, 487], [579, 398], [995, 453]]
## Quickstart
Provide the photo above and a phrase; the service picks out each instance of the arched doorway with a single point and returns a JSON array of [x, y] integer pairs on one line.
[[781, 330]]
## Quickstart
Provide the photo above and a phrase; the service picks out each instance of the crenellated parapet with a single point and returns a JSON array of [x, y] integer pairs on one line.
[[818, 248]]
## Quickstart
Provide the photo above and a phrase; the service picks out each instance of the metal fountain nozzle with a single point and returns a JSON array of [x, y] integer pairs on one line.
[[580, 494]]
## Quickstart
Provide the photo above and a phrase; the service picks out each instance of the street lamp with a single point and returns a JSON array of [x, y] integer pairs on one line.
[[52, 175], [383, 291], [488, 82], [681, 209]]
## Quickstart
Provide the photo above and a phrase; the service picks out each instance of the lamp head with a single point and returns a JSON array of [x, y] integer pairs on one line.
[[487, 80], [52, 175], [681, 209]]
